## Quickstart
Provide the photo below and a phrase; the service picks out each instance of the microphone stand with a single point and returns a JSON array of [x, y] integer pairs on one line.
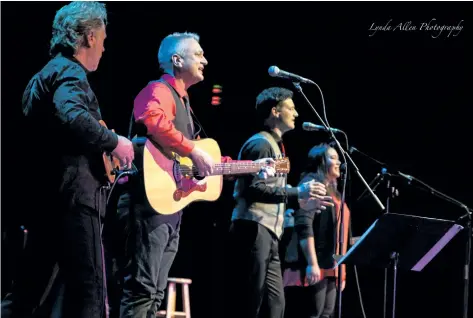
[[380, 178], [469, 233], [345, 155], [468, 215], [466, 268]]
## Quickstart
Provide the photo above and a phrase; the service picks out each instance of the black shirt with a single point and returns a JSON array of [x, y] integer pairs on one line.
[[61, 117]]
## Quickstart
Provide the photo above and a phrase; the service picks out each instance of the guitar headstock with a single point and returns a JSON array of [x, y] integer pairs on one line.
[[282, 165]]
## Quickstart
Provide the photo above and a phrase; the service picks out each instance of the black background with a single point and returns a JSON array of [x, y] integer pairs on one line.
[[401, 97]]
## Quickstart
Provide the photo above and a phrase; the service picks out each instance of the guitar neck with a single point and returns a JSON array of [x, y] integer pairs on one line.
[[237, 168]]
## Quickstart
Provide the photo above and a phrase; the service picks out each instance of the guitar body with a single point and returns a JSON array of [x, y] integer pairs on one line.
[[168, 187]]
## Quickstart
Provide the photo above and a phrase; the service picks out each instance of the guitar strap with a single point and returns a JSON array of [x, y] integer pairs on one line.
[[273, 142], [192, 117], [275, 146]]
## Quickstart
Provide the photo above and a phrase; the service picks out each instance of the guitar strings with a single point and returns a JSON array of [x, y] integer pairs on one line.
[[225, 167], [229, 168]]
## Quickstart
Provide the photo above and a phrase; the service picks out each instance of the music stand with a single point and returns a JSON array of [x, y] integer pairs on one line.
[[407, 241]]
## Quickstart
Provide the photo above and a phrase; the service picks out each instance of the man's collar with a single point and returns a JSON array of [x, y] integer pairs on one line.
[[273, 133], [179, 87], [74, 60]]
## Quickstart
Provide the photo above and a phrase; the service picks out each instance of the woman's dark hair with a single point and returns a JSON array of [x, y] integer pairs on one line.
[[317, 167]]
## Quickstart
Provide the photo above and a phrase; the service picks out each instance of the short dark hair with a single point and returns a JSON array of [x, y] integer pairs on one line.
[[269, 98], [72, 24]]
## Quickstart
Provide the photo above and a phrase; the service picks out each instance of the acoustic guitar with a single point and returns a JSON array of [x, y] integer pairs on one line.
[[171, 181], [110, 162]]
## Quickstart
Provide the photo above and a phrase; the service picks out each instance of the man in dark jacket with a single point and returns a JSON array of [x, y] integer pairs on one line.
[[65, 212]]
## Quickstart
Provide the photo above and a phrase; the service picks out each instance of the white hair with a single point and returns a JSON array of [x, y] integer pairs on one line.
[[172, 44]]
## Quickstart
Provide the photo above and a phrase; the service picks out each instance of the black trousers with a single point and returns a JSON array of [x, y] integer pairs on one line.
[[254, 279], [61, 273], [317, 301], [150, 249]]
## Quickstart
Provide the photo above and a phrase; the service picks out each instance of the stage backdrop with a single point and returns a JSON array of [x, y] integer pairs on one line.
[[402, 95]]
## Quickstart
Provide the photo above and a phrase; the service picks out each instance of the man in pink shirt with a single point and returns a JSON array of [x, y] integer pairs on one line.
[[162, 113]]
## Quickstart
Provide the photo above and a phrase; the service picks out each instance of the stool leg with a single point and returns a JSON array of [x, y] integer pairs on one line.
[[171, 305], [186, 300]]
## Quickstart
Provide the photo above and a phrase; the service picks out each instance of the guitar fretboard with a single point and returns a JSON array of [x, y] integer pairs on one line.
[[237, 168], [227, 168]]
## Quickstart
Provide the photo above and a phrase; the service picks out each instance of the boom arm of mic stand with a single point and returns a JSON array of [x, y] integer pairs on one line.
[[447, 198], [443, 196], [360, 176]]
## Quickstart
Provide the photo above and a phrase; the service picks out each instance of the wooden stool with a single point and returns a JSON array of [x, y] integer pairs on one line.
[[170, 311]]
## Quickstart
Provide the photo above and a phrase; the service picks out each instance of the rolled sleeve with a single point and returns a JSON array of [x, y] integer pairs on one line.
[[156, 109]]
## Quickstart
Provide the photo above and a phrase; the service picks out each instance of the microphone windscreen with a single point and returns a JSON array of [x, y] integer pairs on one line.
[[273, 70]]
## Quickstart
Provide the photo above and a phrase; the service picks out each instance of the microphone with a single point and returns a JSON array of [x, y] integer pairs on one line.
[[313, 127], [274, 71]]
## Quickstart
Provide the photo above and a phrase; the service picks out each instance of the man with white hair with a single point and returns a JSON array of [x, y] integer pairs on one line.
[[162, 113]]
